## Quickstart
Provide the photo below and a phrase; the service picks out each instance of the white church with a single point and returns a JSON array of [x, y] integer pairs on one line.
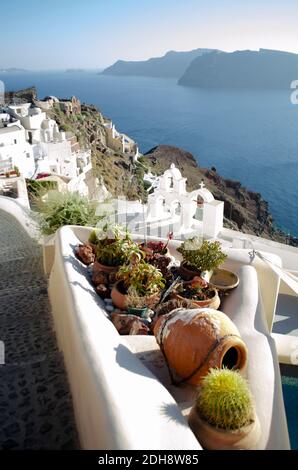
[[171, 208]]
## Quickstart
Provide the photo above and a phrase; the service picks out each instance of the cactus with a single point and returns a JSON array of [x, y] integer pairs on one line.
[[224, 399]]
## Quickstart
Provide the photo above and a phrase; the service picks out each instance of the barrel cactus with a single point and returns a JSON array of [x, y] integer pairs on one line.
[[224, 399]]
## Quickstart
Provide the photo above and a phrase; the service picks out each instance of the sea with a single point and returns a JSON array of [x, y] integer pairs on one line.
[[247, 135]]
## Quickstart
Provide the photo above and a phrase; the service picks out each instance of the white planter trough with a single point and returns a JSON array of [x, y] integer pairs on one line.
[[122, 395]]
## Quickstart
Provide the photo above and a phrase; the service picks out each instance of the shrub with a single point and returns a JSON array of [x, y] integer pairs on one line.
[[202, 256], [57, 209], [224, 399], [38, 188]]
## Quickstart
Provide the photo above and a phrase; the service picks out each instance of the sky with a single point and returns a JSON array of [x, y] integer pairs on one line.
[[59, 34]]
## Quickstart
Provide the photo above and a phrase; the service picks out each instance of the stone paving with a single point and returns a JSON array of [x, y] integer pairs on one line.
[[35, 403]]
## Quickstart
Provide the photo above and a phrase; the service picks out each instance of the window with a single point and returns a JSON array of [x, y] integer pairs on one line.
[[28, 155], [171, 182]]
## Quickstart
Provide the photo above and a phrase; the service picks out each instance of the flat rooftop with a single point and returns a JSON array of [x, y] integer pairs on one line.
[[7, 130]]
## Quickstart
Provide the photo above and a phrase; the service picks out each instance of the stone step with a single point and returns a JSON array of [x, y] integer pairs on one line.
[[28, 341], [25, 307], [12, 286], [35, 402], [35, 406], [18, 252], [29, 264], [19, 279]]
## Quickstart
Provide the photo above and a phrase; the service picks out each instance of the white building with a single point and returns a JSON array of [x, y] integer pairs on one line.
[[170, 203], [120, 142], [32, 142], [15, 150]]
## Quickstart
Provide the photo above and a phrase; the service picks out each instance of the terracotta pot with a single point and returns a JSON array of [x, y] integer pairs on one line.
[[188, 273], [196, 340], [224, 280], [212, 438], [213, 302], [97, 266], [139, 312], [120, 300]]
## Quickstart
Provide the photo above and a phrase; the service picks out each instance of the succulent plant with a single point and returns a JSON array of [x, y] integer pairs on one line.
[[224, 399], [114, 245], [203, 256], [143, 277], [116, 253]]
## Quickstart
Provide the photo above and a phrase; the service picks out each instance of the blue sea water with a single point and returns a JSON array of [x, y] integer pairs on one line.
[[248, 135], [290, 394]]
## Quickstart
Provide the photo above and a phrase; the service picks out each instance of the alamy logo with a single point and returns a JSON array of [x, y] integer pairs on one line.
[[2, 353], [294, 94]]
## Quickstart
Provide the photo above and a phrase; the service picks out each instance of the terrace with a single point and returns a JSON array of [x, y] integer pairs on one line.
[[104, 367]]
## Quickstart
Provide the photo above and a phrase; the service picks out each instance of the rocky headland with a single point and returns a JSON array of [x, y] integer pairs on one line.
[[245, 210]]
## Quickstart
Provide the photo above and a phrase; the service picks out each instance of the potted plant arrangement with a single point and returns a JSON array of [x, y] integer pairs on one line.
[[114, 247], [199, 292], [157, 254], [153, 247], [146, 280], [200, 259], [136, 304], [223, 416]]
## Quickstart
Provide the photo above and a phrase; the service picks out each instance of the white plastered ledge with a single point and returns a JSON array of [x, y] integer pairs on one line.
[[244, 307], [22, 214], [118, 402]]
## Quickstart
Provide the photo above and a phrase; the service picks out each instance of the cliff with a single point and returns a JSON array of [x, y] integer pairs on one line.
[[264, 69], [119, 173], [172, 65], [21, 96], [244, 210]]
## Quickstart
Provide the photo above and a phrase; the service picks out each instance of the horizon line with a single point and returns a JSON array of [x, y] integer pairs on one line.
[[102, 67]]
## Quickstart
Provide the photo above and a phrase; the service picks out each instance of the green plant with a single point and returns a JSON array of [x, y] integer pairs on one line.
[[38, 188], [93, 237], [202, 256], [143, 277], [114, 245], [57, 209], [134, 300], [115, 253], [65, 128], [196, 289], [224, 399], [17, 171]]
